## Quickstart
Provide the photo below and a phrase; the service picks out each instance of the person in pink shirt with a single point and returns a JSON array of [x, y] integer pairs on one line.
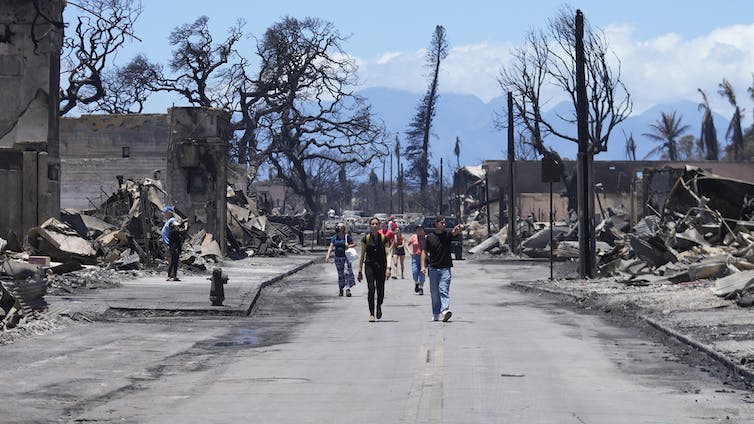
[[389, 235], [415, 247]]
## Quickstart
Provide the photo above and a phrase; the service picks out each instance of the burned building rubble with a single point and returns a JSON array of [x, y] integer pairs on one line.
[[124, 233], [118, 173], [696, 225]]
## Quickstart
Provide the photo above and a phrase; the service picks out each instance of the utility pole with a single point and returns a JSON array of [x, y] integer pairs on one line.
[[383, 174], [487, 200], [511, 178], [585, 192], [400, 187], [391, 182]]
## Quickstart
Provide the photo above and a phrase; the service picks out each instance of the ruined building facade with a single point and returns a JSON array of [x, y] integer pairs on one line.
[[197, 167], [30, 44], [186, 149], [636, 185]]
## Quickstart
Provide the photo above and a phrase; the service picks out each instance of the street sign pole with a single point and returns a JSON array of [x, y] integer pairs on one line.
[[551, 174]]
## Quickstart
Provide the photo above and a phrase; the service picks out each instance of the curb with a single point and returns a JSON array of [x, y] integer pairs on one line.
[[238, 311], [731, 365], [736, 368], [274, 280]]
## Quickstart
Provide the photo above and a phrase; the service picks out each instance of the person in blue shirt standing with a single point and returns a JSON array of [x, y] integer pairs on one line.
[[173, 251], [436, 257]]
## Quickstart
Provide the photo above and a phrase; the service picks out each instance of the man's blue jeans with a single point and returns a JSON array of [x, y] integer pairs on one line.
[[439, 289]]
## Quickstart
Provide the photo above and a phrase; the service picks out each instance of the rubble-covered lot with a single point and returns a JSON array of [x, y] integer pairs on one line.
[[118, 240], [687, 270], [704, 232]]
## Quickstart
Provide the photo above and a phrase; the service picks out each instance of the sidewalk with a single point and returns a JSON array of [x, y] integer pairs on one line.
[[688, 312], [246, 278]]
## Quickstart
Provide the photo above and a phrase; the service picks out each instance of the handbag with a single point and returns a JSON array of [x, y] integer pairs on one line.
[[351, 254]]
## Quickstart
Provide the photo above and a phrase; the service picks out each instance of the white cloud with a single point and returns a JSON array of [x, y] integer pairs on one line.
[[471, 69], [667, 68], [387, 57]]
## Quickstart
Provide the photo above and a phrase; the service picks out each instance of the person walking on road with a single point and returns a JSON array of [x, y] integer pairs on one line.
[[338, 244], [387, 232], [375, 260], [416, 247], [436, 254], [399, 252]]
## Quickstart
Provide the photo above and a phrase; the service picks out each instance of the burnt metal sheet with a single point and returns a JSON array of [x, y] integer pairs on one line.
[[652, 251], [697, 188]]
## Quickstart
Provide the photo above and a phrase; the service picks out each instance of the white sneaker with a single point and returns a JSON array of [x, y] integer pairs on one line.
[[446, 315]]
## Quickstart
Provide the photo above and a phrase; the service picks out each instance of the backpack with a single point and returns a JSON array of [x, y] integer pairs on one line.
[[375, 252], [382, 239]]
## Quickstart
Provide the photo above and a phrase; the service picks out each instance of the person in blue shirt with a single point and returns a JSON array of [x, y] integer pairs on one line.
[[338, 244], [174, 248]]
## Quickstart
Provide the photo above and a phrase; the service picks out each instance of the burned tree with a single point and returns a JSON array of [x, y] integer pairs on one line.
[[397, 151], [127, 87], [302, 108], [199, 67], [630, 146], [457, 151], [708, 136], [547, 58], [100, 30], [417, 149], [734, 133]]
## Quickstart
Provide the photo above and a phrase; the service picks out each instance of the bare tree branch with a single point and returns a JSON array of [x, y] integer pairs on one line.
[[95, 39]]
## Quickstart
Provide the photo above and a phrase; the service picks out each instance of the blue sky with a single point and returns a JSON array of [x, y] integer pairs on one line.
[[668, 49]]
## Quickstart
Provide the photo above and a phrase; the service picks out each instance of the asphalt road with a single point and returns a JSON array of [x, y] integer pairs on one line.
[[306, 355]]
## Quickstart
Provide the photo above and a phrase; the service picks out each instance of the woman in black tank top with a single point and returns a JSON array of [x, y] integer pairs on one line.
[[376, 262]]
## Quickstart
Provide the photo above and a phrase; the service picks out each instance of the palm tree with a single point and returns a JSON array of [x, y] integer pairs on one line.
[[667, 130], [734, 133], [708, 136]]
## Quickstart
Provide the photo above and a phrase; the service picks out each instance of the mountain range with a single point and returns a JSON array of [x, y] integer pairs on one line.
[[472, 120]]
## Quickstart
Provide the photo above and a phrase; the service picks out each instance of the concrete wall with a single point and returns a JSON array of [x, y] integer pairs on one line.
[[29, 83], [95, 149]]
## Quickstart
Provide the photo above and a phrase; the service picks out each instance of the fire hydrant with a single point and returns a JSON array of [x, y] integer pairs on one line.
[[216, 289]]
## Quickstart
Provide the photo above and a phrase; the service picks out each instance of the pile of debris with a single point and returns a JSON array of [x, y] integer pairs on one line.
[[704, 231], [124, 234], [22, 290], [250, 233]]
